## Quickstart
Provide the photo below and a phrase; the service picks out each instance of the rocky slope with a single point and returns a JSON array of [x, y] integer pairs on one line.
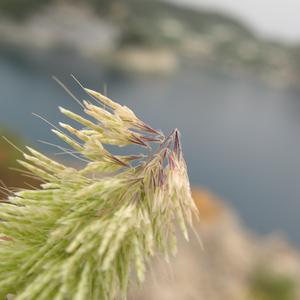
[[233, 263]]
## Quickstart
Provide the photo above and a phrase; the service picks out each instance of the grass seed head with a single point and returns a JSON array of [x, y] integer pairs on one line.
[[85, 232]]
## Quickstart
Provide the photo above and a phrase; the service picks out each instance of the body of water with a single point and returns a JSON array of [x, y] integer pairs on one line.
[[241, 138]]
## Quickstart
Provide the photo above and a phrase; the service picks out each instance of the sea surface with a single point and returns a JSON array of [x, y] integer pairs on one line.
[[241, 137]]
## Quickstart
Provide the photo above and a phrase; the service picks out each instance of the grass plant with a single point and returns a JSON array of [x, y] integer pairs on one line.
[[86, 232]]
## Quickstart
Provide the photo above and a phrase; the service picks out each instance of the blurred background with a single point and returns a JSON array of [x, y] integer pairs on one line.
[[226, 73]]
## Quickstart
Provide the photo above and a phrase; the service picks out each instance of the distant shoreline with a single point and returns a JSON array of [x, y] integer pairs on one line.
[[125, 42]]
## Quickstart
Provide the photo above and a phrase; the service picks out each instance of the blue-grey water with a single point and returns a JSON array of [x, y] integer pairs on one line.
[[241, 137]]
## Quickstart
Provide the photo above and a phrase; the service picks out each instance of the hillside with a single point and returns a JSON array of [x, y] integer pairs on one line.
[[146, 36]]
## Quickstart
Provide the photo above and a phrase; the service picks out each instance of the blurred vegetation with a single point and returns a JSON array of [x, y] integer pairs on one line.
[[20, 9], [155, 22], [267, 285], [144, 16], [8, 154], [134, 13], [9, 177]]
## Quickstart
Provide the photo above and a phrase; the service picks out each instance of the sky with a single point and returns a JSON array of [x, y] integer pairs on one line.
[[271, 18]]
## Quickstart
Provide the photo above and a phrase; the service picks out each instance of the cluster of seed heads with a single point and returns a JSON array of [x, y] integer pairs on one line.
[[87, 232]]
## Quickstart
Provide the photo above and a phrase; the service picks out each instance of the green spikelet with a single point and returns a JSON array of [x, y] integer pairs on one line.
[[85, 233]]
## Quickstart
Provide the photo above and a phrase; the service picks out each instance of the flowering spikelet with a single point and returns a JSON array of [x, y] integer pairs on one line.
[[85, 232]]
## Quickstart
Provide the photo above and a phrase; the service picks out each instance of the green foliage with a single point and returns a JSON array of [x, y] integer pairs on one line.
[[87, 232], [8, 155], [19, 9], [266, 285]]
